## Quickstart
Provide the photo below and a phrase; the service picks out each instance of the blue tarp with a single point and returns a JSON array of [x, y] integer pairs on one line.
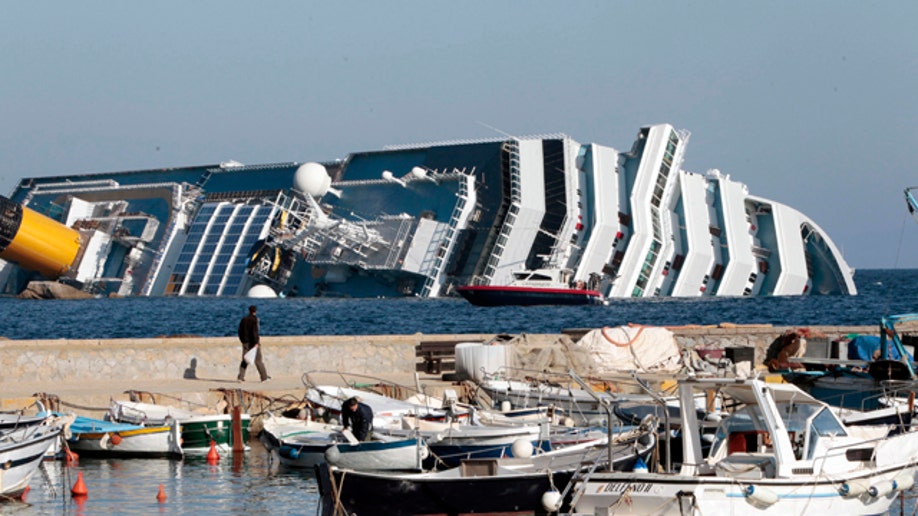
[[863, 347]]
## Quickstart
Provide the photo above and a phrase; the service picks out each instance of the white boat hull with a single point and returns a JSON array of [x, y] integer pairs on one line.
[[657, 494], [158, 441], [376, 455], [21, 456]]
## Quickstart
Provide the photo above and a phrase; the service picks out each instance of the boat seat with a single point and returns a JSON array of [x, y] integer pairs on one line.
[[746, 466], [750, 441]]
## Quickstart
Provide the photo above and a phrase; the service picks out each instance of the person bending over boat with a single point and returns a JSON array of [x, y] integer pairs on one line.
[[248, 335], [358, 417]]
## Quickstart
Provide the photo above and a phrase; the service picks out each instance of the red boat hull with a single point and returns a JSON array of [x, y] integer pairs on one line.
[[488, 295]]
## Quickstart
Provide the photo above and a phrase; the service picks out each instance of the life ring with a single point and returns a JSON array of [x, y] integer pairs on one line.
[[621, 344]]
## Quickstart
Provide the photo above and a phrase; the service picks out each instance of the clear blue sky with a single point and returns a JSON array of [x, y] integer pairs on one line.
[[809, 103]]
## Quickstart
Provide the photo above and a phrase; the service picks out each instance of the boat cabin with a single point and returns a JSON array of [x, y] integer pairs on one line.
[[777, 431], [549, 278]]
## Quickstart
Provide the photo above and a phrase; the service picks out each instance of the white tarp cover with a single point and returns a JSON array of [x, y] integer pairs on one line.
[[631, 348], [473, 359]]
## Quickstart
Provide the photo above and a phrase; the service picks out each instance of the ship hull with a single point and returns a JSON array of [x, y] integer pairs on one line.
[[528, 296]]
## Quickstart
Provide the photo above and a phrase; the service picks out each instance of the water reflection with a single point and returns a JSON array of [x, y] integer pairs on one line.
[[248, 483]]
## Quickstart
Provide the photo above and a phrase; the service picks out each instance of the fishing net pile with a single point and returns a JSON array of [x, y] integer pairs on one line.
[[642, 349]]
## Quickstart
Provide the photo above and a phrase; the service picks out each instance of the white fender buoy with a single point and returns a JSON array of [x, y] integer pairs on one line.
[[505, 406], [882, 488], [551, 501], [904, 481], [332, 455], [760, 496], [854, 488], [424, 451], [521, 448]]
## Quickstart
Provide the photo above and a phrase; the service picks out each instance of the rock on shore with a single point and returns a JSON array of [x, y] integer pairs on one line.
[[52, 290]]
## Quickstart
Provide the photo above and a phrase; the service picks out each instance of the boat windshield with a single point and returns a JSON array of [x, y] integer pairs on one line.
[[746, 430], [746, 421], [806, 423], [799, 416]]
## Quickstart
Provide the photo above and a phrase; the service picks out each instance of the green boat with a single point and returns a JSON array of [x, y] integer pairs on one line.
[[198, 430]]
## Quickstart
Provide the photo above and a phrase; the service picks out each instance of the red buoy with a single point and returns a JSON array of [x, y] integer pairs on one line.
[[24, 493], [212, 456], [79, 488], [161, 495], [70, 456], [115, 439]]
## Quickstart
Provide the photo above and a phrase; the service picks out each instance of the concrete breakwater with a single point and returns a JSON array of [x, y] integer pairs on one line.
[[104, 368]]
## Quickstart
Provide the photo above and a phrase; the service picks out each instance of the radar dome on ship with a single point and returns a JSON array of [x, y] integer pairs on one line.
[[312, 179], [262, 291]]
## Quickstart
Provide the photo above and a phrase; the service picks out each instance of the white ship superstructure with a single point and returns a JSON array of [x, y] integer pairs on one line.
[[421, 220], [695, 256]]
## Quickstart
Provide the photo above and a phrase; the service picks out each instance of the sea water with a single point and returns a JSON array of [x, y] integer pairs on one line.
[[256, 484], [249, 483], [880, 292]]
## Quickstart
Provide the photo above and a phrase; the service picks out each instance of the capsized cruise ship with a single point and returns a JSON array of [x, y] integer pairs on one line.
[[419, 220]]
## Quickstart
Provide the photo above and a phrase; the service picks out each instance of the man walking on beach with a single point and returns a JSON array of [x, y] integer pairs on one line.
[[248, 335]]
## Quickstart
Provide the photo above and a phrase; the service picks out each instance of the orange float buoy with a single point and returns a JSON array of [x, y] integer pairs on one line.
[[70, 456], [79, 488], [212, 455], [24, 493], [161, 495], [115, 439]]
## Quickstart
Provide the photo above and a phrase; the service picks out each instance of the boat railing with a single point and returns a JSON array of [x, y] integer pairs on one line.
[[387, 388], [841, 449], [557, 382], [603, 402], [899, 388], [662, 403]]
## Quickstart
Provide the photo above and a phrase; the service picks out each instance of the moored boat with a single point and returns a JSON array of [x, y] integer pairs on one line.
[[379, 455], [22, 449], [521, 484], [780, 452], [96, 437], [298, 443], [450, 443], [198, 430]]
